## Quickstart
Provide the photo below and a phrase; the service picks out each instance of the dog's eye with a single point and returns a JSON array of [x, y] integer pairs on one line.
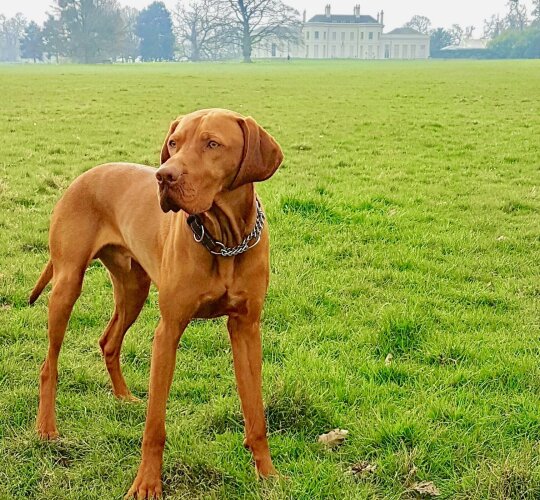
[[172, 143], [213, 145]]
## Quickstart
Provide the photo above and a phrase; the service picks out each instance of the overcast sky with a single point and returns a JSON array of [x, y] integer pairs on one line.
[[397, 12]]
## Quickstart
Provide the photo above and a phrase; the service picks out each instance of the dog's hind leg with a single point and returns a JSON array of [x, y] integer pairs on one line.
[[131, 285], [66, 289]]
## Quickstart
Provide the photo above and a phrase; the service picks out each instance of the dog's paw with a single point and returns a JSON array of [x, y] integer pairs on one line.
[[47, 432], [48, 435], [143, 488], [128, 398], [265, 470]]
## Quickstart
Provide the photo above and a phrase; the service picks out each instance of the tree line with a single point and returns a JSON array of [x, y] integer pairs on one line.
[[90, 31], [101, 30], [514, 35]]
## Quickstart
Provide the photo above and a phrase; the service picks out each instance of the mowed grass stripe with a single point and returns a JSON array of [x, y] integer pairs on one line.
[[405, 220]]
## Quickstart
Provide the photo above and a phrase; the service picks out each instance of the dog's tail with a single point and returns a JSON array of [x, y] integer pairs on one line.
[[46, 276]]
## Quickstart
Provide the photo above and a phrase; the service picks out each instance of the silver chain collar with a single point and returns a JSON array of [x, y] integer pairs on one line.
[[255, 234]]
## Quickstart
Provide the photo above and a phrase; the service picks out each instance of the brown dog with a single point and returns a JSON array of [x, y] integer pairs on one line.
[[209, 162]]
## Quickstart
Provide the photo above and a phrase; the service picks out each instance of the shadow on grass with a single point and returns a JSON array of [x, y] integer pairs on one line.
[[197, 480], [290, 408]]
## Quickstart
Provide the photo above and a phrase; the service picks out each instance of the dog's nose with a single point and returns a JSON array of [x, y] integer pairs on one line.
[[165, 175]]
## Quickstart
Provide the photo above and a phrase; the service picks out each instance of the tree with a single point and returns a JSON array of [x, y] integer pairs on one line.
[[469, 31], [32, 43], [516, 19], [128, 42], [518, 44], [54, 39], [536, 12], [11, 31], [493, 27], [203, 28], [258, 20], [457, 33], [92, 28], [439, 39], [154, 28], [421, 24]]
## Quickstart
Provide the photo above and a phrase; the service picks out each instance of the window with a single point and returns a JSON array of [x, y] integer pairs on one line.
[[352, 36], [324, 51], [307, 35], [307, 51], [342, 36], [396, 51], [316, 51], [324, 35], [274, 50], [351, 51], [362, 35], [333, 51], [316, 35], [405, 53], [413, 51], [371, 35], [379, 35], [387, 51], [334, 35]]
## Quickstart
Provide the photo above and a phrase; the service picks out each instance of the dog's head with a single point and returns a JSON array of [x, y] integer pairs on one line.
[[211, 151]]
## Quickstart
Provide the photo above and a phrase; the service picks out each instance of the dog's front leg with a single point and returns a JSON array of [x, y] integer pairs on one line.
[[147, 484], [247, 354]]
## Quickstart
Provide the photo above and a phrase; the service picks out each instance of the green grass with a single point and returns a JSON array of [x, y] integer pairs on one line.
[[404, 220]]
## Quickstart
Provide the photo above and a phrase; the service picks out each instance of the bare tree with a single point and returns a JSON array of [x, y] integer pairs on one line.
[[421, 24], [469, 31], [457, 33], [536, 11], [11, 31], [128, 41], [493, 26], [205, 28], [516, 19], [258, 20]]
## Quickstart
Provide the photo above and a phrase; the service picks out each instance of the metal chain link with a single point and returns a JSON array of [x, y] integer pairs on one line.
[[244, 246]]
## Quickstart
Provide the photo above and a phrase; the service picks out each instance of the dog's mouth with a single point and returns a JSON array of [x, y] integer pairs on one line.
[[175, 197], [165, 200]]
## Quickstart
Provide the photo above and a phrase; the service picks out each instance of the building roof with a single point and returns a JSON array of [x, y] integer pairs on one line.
[[404, 31], [343, 19], [469, 44]]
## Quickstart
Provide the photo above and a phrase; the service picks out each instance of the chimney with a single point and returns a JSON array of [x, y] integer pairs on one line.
[[378, 17], [327, 10], [304, 16], [382, 17], [357, 10]]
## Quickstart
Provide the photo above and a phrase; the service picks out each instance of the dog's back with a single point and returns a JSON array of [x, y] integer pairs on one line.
[[105, 206]]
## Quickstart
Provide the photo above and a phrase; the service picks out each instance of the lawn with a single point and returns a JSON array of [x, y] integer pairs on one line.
[[404, 221]]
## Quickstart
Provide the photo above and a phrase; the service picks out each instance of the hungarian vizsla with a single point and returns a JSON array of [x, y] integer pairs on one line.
[[204, 245]]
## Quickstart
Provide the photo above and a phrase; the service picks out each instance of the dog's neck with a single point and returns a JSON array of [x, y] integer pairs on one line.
[[232, 215]]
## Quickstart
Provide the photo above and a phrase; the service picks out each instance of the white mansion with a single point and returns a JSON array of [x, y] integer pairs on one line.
[[356, 36]]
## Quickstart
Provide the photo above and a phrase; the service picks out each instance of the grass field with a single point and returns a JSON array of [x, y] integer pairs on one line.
[[405, 220]]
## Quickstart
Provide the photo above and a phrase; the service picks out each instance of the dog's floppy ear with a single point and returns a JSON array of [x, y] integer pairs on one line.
[[262, 154], [165, 148]]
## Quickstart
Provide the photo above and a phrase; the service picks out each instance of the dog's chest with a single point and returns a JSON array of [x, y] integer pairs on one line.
[[220, 302]]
